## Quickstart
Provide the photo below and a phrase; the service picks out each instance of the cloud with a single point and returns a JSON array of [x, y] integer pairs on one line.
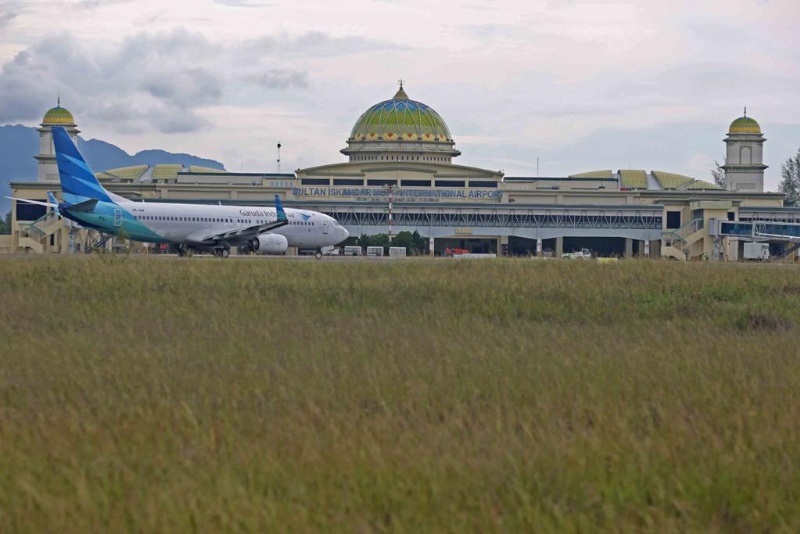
[[176, 120], [314, 44], [153, 73], [241, 3], [182, 88], [23, 97], [279, 79], [156, 72], [6, 17]]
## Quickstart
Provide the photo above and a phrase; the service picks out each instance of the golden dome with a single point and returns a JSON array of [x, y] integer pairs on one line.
[[58, 116]]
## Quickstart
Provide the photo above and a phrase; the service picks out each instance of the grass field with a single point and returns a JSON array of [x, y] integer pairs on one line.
[[436, 395]]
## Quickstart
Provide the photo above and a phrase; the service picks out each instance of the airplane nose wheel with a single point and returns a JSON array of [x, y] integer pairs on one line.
[[318, 255]]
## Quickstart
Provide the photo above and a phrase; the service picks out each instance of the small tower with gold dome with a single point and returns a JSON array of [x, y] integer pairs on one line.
[[744, 160], [57, 116]]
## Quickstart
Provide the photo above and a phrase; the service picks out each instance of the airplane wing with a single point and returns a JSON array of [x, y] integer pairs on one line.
[[793, 239], [244, 234]]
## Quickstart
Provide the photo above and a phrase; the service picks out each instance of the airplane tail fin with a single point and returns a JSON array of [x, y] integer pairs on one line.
[[77, 180], [279, 210]]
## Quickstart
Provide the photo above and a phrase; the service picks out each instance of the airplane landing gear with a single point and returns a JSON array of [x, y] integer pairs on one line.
[[222, 252], [185, 251]]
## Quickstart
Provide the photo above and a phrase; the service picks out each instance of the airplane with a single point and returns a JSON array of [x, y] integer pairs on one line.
[[192, 227], [52, 200]]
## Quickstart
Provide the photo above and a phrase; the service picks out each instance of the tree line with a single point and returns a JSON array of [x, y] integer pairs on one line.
[[5, 224], [414, 243]]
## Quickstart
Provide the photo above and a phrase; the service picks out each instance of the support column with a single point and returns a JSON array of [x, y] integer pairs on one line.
[[502, 248], [559, 246], [628, 248], [538, 248], [430, 247], [646, 249]]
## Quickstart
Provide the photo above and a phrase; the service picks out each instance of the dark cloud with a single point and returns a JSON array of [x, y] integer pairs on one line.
[[176, 120], [25, 98], [279, 79], [157, 79], [190, 87], [7, 14], [158, 72], [164, 50]]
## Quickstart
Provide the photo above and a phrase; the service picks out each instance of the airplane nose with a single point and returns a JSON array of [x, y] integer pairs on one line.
[[345, 233]]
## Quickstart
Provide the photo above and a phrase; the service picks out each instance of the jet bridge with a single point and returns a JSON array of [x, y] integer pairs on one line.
[[758, 230], [783, 236]]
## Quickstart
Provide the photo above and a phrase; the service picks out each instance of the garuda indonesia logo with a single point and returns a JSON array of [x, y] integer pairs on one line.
[[305, 216]]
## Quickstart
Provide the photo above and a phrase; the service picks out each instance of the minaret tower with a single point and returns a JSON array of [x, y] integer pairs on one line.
[[744, 161], [58, 116]]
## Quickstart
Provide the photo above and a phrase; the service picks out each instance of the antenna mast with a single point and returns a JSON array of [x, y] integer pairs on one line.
[[279, 156]]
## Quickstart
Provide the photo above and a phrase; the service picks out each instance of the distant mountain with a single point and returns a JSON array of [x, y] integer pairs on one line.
[[19, 144], [102, 156]]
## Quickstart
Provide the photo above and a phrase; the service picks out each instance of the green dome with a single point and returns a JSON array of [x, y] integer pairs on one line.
[[745, 125], [58, 115], [401, 119]]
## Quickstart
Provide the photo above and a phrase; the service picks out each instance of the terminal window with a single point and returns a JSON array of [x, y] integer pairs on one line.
[[673, 220], [29, 212]]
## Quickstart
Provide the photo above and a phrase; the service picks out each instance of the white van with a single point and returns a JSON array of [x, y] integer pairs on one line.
[[353, 251]]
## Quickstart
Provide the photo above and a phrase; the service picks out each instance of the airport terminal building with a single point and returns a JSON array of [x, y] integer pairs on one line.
[[401, 176]]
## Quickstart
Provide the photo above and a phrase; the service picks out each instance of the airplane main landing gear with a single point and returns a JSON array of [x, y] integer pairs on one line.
[[222, 252], [185, 251]]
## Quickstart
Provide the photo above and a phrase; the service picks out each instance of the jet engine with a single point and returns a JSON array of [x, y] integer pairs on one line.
[[269, 244]]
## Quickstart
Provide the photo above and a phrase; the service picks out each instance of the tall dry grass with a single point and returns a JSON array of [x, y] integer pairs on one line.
[[511, 395]]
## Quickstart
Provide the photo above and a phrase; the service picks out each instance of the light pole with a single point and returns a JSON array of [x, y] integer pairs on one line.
[[390, 193]]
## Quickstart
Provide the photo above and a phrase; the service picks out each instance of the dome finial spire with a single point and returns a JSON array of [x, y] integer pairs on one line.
[[745, 111], [59, 101], [400, 94]]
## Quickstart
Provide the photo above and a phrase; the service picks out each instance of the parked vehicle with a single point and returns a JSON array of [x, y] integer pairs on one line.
[[374, 251], [351, 250], [582, 254], [756, 251], [330, 251]]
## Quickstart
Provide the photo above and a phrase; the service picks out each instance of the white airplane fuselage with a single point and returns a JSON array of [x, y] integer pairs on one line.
[[188, 223]]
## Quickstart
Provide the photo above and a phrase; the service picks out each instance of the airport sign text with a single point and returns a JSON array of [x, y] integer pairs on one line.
[[400, 194]]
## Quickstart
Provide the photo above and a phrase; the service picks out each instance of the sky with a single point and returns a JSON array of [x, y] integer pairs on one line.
[[526, 87]]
